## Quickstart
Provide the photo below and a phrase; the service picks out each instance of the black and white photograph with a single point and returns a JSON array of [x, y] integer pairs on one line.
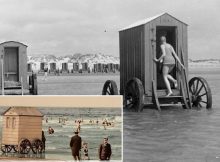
[[162, 57]]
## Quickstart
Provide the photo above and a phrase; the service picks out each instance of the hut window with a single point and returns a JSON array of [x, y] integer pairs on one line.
[[13, 122], [7, 122]]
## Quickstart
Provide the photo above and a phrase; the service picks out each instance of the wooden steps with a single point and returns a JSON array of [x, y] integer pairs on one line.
[[178, 98], [170, 105]]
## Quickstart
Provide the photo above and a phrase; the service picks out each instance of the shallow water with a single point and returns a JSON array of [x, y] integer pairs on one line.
[[175, 134]]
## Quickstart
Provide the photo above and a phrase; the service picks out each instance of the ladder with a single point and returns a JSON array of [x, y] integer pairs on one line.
[[178, 98]]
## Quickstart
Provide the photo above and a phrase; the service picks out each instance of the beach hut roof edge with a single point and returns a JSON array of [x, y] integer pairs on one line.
[[147, 20], [13, 42], [22, 111]]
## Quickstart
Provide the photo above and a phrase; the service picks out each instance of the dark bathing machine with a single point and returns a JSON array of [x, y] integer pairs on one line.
[[13, 69], [141, 81]]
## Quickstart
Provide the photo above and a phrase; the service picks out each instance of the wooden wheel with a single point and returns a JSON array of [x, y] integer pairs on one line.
[[134, 93], [201, 93], [6, 148], [24, 146], [37, 146], [110, 88]]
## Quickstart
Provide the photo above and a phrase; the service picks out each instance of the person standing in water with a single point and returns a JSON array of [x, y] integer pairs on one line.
[[105, 150], [168, 56], [75, 145]]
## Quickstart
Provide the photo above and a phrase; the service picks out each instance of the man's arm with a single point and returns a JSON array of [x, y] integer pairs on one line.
[[71, 142], [100, 150], [110, 151], [176, 57]]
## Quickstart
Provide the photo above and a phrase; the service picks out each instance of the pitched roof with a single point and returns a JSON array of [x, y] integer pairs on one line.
[[13, 42], [22, 111], [145, 21]]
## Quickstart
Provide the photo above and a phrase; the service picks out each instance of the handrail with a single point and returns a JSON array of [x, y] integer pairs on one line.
[[185, 78]]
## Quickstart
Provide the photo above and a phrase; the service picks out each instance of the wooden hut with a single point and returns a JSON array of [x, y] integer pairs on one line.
[[14, 56], [64, 67], [84, 66], [140, 43], [75, 67], [19, 124], [42, 66], [52, 67]]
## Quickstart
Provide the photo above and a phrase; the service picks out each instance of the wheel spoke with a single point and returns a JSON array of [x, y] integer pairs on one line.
[[203, 94], [108, 91], [191, 89], [203, 102], [110, 87], [194, 88], [199, 105], [199, 89], [197, 84]]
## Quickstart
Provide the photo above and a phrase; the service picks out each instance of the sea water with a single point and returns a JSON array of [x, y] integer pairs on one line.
[[62, 120], [176, 134]]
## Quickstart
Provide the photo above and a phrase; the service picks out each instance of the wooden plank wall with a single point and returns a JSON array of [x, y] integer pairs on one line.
[[131, 55], [150, 51], [10, 134], [30, 127]]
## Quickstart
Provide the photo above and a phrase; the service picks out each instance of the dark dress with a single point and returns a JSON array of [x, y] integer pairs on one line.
[[105, 151], [75, 144]]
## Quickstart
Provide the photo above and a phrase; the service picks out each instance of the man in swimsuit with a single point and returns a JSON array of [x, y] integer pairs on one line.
[[168, 56]]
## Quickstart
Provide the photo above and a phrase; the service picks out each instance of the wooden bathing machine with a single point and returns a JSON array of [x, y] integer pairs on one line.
[[141, 80], [140, 43], [14, 55], [22, 130]]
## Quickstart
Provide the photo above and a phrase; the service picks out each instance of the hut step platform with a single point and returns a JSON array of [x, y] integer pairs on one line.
[[15, 92], [177, 99]]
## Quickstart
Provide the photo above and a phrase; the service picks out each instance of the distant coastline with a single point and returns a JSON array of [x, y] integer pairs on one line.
[[207, 63]]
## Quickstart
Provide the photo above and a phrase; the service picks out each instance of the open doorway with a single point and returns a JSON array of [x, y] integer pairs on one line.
[[11, 68], [170, 33]]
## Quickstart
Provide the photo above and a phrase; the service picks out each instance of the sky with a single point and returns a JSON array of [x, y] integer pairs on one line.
[[63, 27]]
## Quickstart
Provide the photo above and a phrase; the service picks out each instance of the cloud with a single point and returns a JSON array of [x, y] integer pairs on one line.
[[68, 26]]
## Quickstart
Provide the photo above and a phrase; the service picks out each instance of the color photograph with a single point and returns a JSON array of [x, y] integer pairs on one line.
[[29, 133]]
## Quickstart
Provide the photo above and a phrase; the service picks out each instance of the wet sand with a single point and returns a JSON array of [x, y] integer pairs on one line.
[[74, 84]]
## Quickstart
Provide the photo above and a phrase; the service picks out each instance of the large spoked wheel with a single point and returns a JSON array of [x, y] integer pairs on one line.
[[37, 146], [110, 88], [24, 146], [6, 148], [200, 92], [134, 93]]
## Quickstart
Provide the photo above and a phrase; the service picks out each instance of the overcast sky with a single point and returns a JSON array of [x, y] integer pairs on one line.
[[64, 27]]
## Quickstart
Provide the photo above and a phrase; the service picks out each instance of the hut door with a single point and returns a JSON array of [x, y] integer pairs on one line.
[[11, 64], [170, 33]]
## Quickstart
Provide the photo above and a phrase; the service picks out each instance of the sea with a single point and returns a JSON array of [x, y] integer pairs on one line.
[[176, 134], [62, 120]]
